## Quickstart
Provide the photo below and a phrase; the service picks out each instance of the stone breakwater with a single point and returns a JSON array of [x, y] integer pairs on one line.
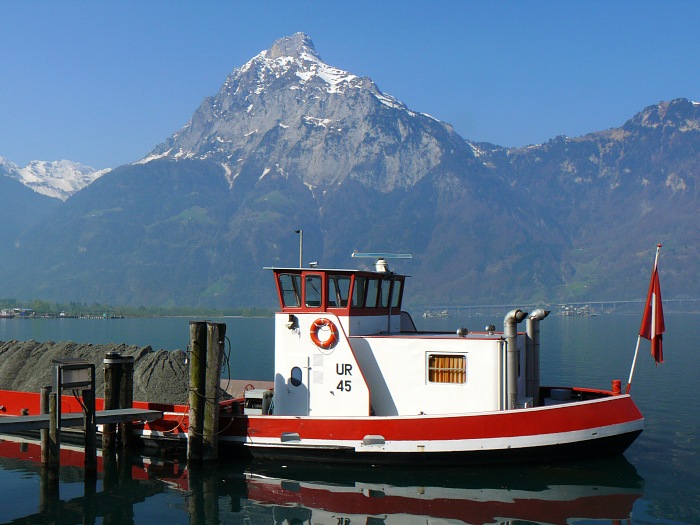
[[160, 376]]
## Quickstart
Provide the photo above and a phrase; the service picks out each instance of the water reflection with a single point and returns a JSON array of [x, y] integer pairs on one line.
[[123, 480], [132, 489], [557, 494]]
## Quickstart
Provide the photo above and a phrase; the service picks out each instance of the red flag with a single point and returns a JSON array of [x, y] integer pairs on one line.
[[653, 320]]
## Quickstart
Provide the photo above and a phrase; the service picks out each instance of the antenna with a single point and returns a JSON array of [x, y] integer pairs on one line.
[[383, 255], [381, 258]]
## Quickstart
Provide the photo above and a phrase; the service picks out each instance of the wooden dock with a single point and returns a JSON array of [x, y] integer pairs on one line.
[[9, 424]]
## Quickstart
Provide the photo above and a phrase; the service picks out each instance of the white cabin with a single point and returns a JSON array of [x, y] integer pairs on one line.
[[344, 347]]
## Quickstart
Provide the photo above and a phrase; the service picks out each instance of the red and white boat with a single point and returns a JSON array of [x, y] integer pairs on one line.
[[354, 380]]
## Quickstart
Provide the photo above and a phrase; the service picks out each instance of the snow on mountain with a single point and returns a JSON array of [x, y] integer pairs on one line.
[[287, 107], [58, 179]]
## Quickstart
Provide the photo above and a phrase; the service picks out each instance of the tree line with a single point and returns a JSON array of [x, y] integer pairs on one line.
[[74, 309]]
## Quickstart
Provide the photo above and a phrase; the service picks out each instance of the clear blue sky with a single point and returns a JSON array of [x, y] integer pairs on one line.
[[102, 82]]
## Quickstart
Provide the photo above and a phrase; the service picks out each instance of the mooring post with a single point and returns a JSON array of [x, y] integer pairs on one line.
[[90, 429], [126, 399], [216, 335], [54, 448], [44, 409], [198, 349], [112, 368]]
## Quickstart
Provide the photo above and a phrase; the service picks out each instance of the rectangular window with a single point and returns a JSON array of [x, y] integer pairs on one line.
[[312, 290], [358, 292], [338, 289], [373, 286], [396, 294], [290, 286], [386, 290], [447, 368]]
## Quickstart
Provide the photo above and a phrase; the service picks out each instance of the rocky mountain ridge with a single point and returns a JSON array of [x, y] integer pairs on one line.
[[292, 143], [283, 112], [58, 179]]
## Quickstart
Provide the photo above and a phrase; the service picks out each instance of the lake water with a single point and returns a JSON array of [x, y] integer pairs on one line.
[[657, 480]]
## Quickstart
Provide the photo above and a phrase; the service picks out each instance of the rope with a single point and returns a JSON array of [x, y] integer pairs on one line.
[[207, 399]]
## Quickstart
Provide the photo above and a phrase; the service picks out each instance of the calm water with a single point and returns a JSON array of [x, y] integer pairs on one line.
[[657, 481], [250, 339]]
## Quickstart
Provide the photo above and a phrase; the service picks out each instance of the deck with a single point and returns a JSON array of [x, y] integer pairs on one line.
[[10, 424]]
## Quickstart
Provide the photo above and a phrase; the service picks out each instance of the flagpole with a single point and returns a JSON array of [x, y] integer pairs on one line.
[[639, 337], [634, 362]]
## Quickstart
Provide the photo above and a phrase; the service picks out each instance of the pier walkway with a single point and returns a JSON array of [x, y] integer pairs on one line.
[[10, 424]]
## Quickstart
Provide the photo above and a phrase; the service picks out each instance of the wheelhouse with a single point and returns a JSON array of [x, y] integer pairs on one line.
[[340, 292]]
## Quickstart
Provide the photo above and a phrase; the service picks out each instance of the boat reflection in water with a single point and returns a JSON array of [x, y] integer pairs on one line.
[[603, 490], [128, 489]]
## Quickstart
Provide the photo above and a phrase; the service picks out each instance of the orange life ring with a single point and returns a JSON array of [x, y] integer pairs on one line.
[[317, 325]]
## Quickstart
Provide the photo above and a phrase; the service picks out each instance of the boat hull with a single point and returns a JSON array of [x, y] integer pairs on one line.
[[537, 454], [598, 427], [603, 425]]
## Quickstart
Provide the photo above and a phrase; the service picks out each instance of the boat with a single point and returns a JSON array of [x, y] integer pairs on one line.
[[440, 314], [6, 314], [356, 381]]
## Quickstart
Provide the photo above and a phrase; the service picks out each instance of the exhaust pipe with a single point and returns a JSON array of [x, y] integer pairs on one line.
[[532, 377], [510, 333]]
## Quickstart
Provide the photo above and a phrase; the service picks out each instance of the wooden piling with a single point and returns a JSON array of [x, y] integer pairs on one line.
[[112, 370], [44, 433], [216, 335], [54, 448], [119, 393], [198, 346], [126, 400], [90, 430]]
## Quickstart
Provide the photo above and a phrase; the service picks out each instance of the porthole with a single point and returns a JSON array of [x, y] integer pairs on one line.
[[295, 377]]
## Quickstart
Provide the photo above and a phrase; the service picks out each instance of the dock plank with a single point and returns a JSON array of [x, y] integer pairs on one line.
[[10, 424]]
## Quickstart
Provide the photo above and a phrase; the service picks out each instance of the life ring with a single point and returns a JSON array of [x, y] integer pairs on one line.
[[317, 325]]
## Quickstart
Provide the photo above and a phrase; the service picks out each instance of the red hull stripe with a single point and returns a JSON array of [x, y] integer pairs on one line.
[[559, 419], [536, 426]]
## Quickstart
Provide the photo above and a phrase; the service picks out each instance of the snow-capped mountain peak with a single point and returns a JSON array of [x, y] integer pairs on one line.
[[287, 100], [58, 179], [295, 59], [295, 46]]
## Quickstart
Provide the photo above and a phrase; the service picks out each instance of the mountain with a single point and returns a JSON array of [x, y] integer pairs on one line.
[[287, 112], [21, 207], [290, 142], [59, 179], [613, 195]]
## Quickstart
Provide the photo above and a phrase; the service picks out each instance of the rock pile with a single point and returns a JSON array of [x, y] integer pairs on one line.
[[159, 376]]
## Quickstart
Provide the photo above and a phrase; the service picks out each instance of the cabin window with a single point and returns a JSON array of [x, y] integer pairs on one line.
[[396, 294], [373, 287], [338, 290], [290, 287], [312, 290], [386, 290], [358, 292], [447, 368]]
